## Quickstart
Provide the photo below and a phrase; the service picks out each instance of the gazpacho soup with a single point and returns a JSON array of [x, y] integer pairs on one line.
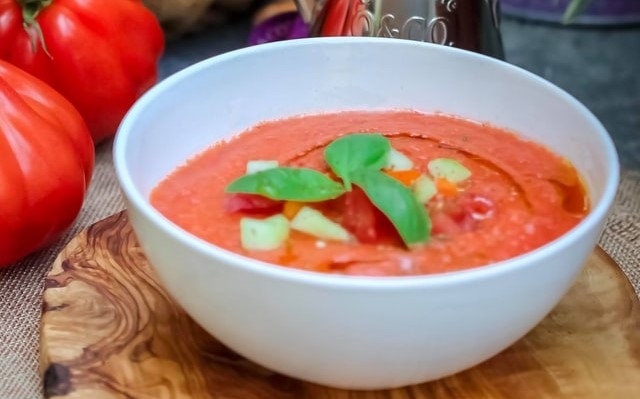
[[389, 193]]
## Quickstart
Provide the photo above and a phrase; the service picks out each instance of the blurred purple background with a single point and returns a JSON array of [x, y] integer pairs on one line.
[[283, 26]]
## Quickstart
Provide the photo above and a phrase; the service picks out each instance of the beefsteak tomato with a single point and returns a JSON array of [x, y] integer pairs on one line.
[[101, 55], [46, 161]]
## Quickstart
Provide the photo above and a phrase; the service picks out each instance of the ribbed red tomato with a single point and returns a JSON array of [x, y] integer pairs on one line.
[[46, 161], [101, 55]]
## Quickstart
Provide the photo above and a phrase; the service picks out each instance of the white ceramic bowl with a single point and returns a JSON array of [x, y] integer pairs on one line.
[[356, 332]]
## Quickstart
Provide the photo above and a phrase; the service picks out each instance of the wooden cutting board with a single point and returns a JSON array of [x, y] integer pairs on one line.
[[109, 330]]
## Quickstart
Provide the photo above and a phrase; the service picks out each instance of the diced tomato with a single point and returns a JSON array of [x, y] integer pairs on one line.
[[252, 204], [461, 215], [365, 221], [478, 206], [443, 224]]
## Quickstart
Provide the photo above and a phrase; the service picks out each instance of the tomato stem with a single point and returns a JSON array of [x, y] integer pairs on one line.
[[30, 11]]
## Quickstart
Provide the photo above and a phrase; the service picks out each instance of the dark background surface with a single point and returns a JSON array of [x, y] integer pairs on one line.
[[600, 66]]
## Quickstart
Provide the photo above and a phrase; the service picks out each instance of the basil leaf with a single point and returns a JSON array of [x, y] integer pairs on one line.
[[397, 202], [356, 151], [291, 184]]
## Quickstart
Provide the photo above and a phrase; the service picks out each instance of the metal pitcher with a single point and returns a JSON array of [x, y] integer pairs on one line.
[[469, 24]]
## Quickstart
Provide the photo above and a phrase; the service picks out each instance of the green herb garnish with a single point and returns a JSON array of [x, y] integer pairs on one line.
[[398, 203], [357, 151], [290, 184], [357, 159]]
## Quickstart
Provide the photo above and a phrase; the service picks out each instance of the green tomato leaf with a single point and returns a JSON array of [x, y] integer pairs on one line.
[[290, 184], [357, 151], [574, 9], [398, 203]]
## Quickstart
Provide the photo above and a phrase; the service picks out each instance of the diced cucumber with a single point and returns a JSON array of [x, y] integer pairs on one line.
[[398, 161], [264, 234], [259, 166], [450, 169], [424, 189], [311, 221]]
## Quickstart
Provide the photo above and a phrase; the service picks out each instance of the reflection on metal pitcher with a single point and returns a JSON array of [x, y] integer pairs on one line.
[[414, 28], [470, 24], [494, 6]]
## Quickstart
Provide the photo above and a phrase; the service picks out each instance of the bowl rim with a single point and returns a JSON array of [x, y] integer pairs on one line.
[[136, 199]]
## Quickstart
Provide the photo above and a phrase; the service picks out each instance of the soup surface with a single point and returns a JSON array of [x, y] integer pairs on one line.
[[516, 195]]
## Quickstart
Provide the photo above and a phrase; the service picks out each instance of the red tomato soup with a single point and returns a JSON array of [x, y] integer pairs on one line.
[[514, 195]]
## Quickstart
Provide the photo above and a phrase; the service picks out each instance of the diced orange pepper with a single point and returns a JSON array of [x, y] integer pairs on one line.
[[291, 209], [446, 187], [406, 177]]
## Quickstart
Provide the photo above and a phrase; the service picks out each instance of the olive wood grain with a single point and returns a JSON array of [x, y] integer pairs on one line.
[[109, 330]]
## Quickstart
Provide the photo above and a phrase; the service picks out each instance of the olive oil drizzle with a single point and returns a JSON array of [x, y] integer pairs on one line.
[[440, 143]]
